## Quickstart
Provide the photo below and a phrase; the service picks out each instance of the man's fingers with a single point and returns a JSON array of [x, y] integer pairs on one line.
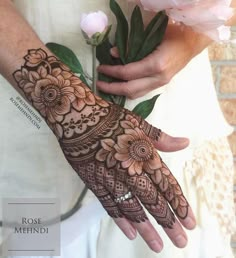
[[132, 71], [114, 52], [131, 89]]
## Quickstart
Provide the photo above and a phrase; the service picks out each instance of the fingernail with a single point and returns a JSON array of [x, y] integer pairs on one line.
[[180, 241], [190, 223], [131, 234], [155, 246]]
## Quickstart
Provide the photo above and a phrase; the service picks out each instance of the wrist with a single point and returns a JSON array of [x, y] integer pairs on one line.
[[194, 42], [54, 91]]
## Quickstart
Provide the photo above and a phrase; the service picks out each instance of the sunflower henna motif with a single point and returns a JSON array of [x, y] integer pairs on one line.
[[136, 152], [111, 149]]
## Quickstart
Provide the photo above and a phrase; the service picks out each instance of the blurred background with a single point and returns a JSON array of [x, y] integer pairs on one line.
[[223, 60]]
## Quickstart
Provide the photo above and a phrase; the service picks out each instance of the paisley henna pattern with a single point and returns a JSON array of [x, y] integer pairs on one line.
[[109, 147]]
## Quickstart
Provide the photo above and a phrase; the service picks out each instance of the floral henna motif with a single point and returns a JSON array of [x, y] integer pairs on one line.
[[110, 148], [53, 89]]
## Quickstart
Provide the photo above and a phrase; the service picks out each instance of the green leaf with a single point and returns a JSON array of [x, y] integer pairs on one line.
[[136, 36], [154, 35], [103, 53], [67, 57], [121, 35], [119, 100], [154, 24], [144, 108], [104, 57]]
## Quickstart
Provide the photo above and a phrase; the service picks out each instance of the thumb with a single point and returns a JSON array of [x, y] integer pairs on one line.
[[168, 143], [162, 141], [114, 52]]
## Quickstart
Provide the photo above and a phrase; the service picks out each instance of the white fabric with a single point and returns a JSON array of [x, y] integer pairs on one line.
[[32, 163]]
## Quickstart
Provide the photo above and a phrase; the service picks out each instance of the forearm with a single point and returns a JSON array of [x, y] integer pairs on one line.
[[37, 74], [16, 38]]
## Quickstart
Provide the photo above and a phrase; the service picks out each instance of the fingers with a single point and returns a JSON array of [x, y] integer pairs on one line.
[[158, 207], [150, 235], [168, 143], [115, 52], [131, 89], [163, 141], [171, 190], [134, 212], [177, 235], [146, 231], [126, 227], [131, 71]]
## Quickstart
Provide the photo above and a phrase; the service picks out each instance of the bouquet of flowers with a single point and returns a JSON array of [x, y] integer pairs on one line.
[[204, 16], [135, 41]]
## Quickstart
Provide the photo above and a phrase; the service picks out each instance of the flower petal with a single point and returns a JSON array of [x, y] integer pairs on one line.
[[49, 116], [101, 155], [111, 161], [34, 76], [108, 144], [127, 163], [78, 104], [89, 100], [42, 71], [56, 71], [66, 74], [136, 168], [124, 140], [80, 92], [18, 76], [29, 87], [122, 157]]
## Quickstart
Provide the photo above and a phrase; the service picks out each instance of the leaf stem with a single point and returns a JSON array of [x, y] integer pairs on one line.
[[94, 87]]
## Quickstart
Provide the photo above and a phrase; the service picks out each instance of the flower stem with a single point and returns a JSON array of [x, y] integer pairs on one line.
[[94, 87]]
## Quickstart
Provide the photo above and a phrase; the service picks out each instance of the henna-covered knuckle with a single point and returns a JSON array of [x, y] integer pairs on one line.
[[133, 210], [151, 131], [171, 190], [152, 200]]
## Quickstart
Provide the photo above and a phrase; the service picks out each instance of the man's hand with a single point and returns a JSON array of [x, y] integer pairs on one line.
[[180, 45], [111, 149]]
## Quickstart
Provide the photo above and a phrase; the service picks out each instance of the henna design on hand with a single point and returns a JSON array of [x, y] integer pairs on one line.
[[109, 147]]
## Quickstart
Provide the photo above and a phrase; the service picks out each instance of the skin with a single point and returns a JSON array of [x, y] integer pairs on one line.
[[19, 43], [158, 68]]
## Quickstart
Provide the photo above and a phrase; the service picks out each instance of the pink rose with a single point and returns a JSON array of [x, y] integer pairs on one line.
[[93, 23], [204, 16]]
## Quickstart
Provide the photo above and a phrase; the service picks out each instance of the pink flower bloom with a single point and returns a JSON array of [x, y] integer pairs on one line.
[[204, 16], [93, 22]]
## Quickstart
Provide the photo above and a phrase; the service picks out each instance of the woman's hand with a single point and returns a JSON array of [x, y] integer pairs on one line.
[[111, 149], [180, 45]]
